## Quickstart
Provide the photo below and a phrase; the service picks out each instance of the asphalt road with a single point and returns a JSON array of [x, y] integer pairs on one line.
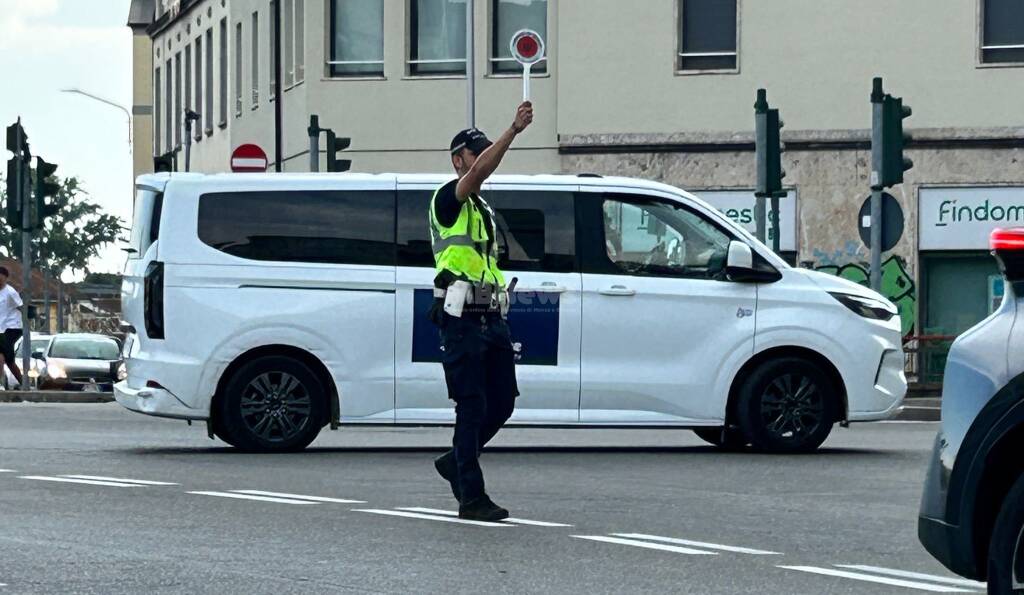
[[612, 511]]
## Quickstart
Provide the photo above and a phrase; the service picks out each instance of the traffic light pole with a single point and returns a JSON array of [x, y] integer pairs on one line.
[[26, 267], [775, 225], [760, 146], [314, 143], [877, 110]]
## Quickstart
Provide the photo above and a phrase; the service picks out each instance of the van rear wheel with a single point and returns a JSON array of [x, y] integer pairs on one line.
[[787, 405], [272, 404]]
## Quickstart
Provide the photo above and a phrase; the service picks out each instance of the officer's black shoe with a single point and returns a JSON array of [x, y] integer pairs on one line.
[[482, 509], [445, 465]]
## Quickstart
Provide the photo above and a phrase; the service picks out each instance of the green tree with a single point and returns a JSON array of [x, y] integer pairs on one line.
[[69, 239]]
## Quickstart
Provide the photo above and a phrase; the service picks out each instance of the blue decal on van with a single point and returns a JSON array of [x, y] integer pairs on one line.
[[533, 319]]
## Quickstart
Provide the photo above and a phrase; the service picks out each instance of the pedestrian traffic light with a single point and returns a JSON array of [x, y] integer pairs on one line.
[[45, 187], [769, 148], [893, 140], [334, 146]]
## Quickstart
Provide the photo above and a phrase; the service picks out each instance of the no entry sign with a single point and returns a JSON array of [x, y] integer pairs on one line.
[[527, 48], [249, 158]]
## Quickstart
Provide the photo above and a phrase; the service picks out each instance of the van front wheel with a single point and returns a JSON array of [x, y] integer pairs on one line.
[[272, 404], [787, 405]]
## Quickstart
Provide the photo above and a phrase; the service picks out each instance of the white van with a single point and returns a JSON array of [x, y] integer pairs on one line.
[[271, 306]]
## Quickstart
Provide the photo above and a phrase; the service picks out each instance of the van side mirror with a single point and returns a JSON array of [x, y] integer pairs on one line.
[[741, 268]]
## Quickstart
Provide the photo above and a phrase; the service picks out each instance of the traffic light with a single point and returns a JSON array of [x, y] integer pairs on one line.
[[893, 141], [13, 205], [334, 146], [18, 168], [44, 187], [768, 148]]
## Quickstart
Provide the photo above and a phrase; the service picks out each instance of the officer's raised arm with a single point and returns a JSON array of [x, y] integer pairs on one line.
[[473, 174]]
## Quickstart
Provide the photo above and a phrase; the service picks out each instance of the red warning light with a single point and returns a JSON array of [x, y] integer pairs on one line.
[[1009, 240], [527, 46]]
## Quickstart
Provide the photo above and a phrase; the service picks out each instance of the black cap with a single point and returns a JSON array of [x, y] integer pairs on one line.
[[471, 139]]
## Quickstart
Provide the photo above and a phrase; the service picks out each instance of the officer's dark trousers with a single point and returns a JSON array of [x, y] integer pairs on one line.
[[479, 368]]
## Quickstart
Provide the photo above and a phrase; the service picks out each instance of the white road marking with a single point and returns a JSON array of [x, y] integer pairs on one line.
[[7, 471], [958, 582], [144, 482], [93, 482], [298, 497], [512, 520], [703, 544], [647, 545], [878, 579], [430, 517], [248, 497]]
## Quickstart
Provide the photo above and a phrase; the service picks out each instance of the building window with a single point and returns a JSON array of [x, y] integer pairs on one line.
[[223, 68], [288, 43], [238, 69], [186, 91], [169, 106], [1002, 31], [509, 17], [198, 103], [300, 41], [708, 35], [208, 104], [273, 49], [177, 99], [254, 55], [157, 111], [357, 38], [438, 37]]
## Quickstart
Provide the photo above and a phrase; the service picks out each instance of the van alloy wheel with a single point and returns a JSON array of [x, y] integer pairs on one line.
[[791, 406], [276, 406]]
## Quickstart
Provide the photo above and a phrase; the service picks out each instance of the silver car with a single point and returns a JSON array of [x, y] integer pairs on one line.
[[79, 362]]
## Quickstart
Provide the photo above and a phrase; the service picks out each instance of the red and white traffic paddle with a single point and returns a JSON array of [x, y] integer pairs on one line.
[[527, 48]]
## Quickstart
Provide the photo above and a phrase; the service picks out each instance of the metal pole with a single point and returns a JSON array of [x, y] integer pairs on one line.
[[26, 264], [314, 143], [877, 98], [278, 84], [470, 68], [188, 141]]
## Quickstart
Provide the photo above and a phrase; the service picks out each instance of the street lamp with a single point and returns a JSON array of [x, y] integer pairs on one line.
[[110, 103]]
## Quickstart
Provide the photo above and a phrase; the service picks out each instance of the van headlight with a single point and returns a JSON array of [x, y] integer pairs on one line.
[[865, 306]]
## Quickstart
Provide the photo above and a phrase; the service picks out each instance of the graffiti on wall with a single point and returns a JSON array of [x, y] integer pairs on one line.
[[897, 284]]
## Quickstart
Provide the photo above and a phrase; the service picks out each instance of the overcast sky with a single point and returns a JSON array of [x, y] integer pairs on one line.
[[49, 45]]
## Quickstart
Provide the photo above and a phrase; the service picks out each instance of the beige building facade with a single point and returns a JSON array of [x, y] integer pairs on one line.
[[658, 89]]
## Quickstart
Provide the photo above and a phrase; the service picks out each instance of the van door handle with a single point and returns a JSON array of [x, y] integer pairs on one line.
[[545, 287], [618, 290]]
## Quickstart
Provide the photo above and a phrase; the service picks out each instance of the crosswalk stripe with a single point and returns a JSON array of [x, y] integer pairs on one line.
[[144, 482], [249, 497], [878, 579], [646, 544], [93, 482], [7, 471], [513, 520], [710, 546], [298, 497], [430, 517], [946, 580]]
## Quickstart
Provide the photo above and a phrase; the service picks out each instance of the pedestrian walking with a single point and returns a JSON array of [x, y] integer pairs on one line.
[[10, 323], [470, 308]]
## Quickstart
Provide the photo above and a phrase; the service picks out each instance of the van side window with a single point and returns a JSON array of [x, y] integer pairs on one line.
[[536, 230], [340, 227], [414, 229], [654, 238]]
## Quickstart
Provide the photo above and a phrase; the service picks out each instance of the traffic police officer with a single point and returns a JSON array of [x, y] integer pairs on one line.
[[469, 308]]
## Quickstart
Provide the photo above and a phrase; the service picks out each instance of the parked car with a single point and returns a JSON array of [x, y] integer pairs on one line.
[[78, 362], [272, 305], [972, 511]]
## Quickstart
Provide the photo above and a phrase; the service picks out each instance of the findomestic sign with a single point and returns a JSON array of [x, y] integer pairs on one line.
[[963, 218], [738, 205]]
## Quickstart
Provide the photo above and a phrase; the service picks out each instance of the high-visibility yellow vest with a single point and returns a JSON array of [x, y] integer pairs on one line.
[[465, 248]]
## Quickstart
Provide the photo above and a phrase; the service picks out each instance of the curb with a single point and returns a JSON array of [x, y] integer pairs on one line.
[[54, 396]]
